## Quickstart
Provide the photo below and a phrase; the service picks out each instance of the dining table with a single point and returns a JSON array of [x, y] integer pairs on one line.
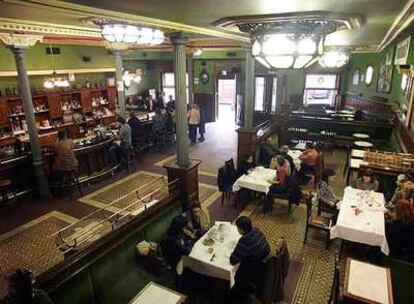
[[256, 179], [210, 255], [154, 293], [361, 219], [367, 283]]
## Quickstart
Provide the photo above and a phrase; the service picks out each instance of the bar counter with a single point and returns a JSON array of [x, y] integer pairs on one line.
[[18, 169], [93, 156]]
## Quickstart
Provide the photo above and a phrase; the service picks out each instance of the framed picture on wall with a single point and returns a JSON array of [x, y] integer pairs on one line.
[[355, 77], [385, 72], [401, 53]]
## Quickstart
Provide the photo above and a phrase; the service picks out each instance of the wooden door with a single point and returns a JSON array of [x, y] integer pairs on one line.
[[55, 107], [86, 101], [4, 119]]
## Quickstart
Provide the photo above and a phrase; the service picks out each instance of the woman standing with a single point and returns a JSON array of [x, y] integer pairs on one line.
[[193, 122]]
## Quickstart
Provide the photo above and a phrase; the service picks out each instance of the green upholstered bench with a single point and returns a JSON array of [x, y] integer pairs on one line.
[[116, 277]]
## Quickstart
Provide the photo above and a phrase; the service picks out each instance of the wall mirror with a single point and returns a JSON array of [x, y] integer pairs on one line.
[[369, 75], [355, 77]]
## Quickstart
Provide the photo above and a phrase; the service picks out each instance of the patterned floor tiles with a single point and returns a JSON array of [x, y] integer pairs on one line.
[[316, 277], [146, 182], [29, 246]]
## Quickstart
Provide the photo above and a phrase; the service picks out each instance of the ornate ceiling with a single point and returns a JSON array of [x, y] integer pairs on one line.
[[66, 21]]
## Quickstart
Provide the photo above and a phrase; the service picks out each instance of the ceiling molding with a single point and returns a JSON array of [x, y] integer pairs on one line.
[[348, 21], [61, 71], [12, 25], [401, 22], [83, 11]]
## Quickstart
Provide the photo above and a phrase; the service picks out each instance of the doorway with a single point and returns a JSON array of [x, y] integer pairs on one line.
[[226, 98]]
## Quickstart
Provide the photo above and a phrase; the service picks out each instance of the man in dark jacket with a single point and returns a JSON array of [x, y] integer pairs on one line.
[[251, 250], [202, 124], [133, 123]]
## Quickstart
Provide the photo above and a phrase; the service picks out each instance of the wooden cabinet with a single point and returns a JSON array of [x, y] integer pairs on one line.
[[86, 101], [4, 119], [112, 97], [55, 107]]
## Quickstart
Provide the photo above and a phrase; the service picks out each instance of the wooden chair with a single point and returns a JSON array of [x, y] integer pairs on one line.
[[226, 177], [328, 138], [314, 221]]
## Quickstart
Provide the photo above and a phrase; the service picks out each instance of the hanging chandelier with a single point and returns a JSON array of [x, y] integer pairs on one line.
[[55, 81], [288, 44], [133, 34], [334, 59], [283, 51]]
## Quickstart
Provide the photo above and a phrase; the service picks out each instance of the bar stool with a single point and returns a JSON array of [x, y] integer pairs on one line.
[[68, 179], [6, 187], [130, 159]]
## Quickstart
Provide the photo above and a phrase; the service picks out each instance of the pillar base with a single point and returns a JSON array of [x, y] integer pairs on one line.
[[42, 182], [188, 180], [246, 142]]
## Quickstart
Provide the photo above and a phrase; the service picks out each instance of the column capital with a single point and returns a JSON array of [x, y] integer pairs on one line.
[[19, 41], [117, 47], [178, 38]]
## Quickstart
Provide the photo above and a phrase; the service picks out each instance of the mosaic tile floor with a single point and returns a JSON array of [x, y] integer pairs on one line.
[[316, 277], [20, 247], [146, 182], [123, 190]]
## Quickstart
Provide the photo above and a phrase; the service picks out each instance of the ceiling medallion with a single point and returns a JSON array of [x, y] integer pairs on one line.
[[292, 40]]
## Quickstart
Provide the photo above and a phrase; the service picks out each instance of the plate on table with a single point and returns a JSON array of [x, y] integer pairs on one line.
[[364, 144], [360, 135]]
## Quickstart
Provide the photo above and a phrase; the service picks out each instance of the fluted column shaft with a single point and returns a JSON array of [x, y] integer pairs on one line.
[[179, 42], [42, 183], [119, 82], [249, 90]]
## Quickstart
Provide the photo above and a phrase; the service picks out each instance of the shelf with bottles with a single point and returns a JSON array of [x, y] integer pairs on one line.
[[71, 102]]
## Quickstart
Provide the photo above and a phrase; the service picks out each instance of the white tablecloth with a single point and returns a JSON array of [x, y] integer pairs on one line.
[[355, 153], [256, 180], [200, 260], [156, 294], [370, 282], [368, 227]]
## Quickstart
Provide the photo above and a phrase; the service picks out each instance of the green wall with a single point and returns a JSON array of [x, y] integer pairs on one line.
[[70, 57], [362, 61]]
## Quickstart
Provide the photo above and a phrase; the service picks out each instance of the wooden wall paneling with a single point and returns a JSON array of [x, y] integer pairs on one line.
[[86, 101], [405, 136], [112, 97], [55, 107], [4, 119]]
